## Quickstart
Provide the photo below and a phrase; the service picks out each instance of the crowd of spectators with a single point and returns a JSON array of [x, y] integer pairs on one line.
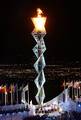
[[65, 116], [23, 116], [19, 115]]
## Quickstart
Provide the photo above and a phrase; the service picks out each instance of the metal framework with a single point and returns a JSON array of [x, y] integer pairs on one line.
[[39, 65]]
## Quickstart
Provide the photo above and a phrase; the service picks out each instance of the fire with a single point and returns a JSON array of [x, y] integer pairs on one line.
[[39, 21], [39, 12]]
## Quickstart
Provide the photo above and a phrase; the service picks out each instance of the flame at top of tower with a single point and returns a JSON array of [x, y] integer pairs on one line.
[[39, 12], [39, 21]]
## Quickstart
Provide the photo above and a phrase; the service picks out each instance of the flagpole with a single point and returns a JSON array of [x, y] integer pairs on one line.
[[5, 98], [11, 96], [80, 91], [72, 92], [17, 93], [77, 92], [2, 101], [5, 95], [28, 93], [64, 90], [12, 93], [69, 90]]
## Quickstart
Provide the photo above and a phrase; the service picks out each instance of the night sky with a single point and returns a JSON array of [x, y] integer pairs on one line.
[[63, 31]]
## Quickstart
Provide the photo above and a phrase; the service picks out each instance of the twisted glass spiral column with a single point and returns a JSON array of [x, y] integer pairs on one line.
[[39, 65]]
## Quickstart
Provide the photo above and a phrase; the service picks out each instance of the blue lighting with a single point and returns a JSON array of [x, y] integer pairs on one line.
[[79, 105]]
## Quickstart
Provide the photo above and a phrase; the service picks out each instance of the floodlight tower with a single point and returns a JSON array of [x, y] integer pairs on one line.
[[38, 33]]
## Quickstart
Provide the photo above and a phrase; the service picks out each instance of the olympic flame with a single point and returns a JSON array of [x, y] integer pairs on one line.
[[39, 21]]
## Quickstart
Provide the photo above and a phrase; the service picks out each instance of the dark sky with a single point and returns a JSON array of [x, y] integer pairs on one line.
[[63, 31]]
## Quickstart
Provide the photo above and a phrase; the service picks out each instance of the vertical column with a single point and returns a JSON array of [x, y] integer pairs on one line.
[[38, 33], [39, 65]]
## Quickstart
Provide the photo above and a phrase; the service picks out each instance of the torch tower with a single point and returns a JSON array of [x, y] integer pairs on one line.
[[38, 33]]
